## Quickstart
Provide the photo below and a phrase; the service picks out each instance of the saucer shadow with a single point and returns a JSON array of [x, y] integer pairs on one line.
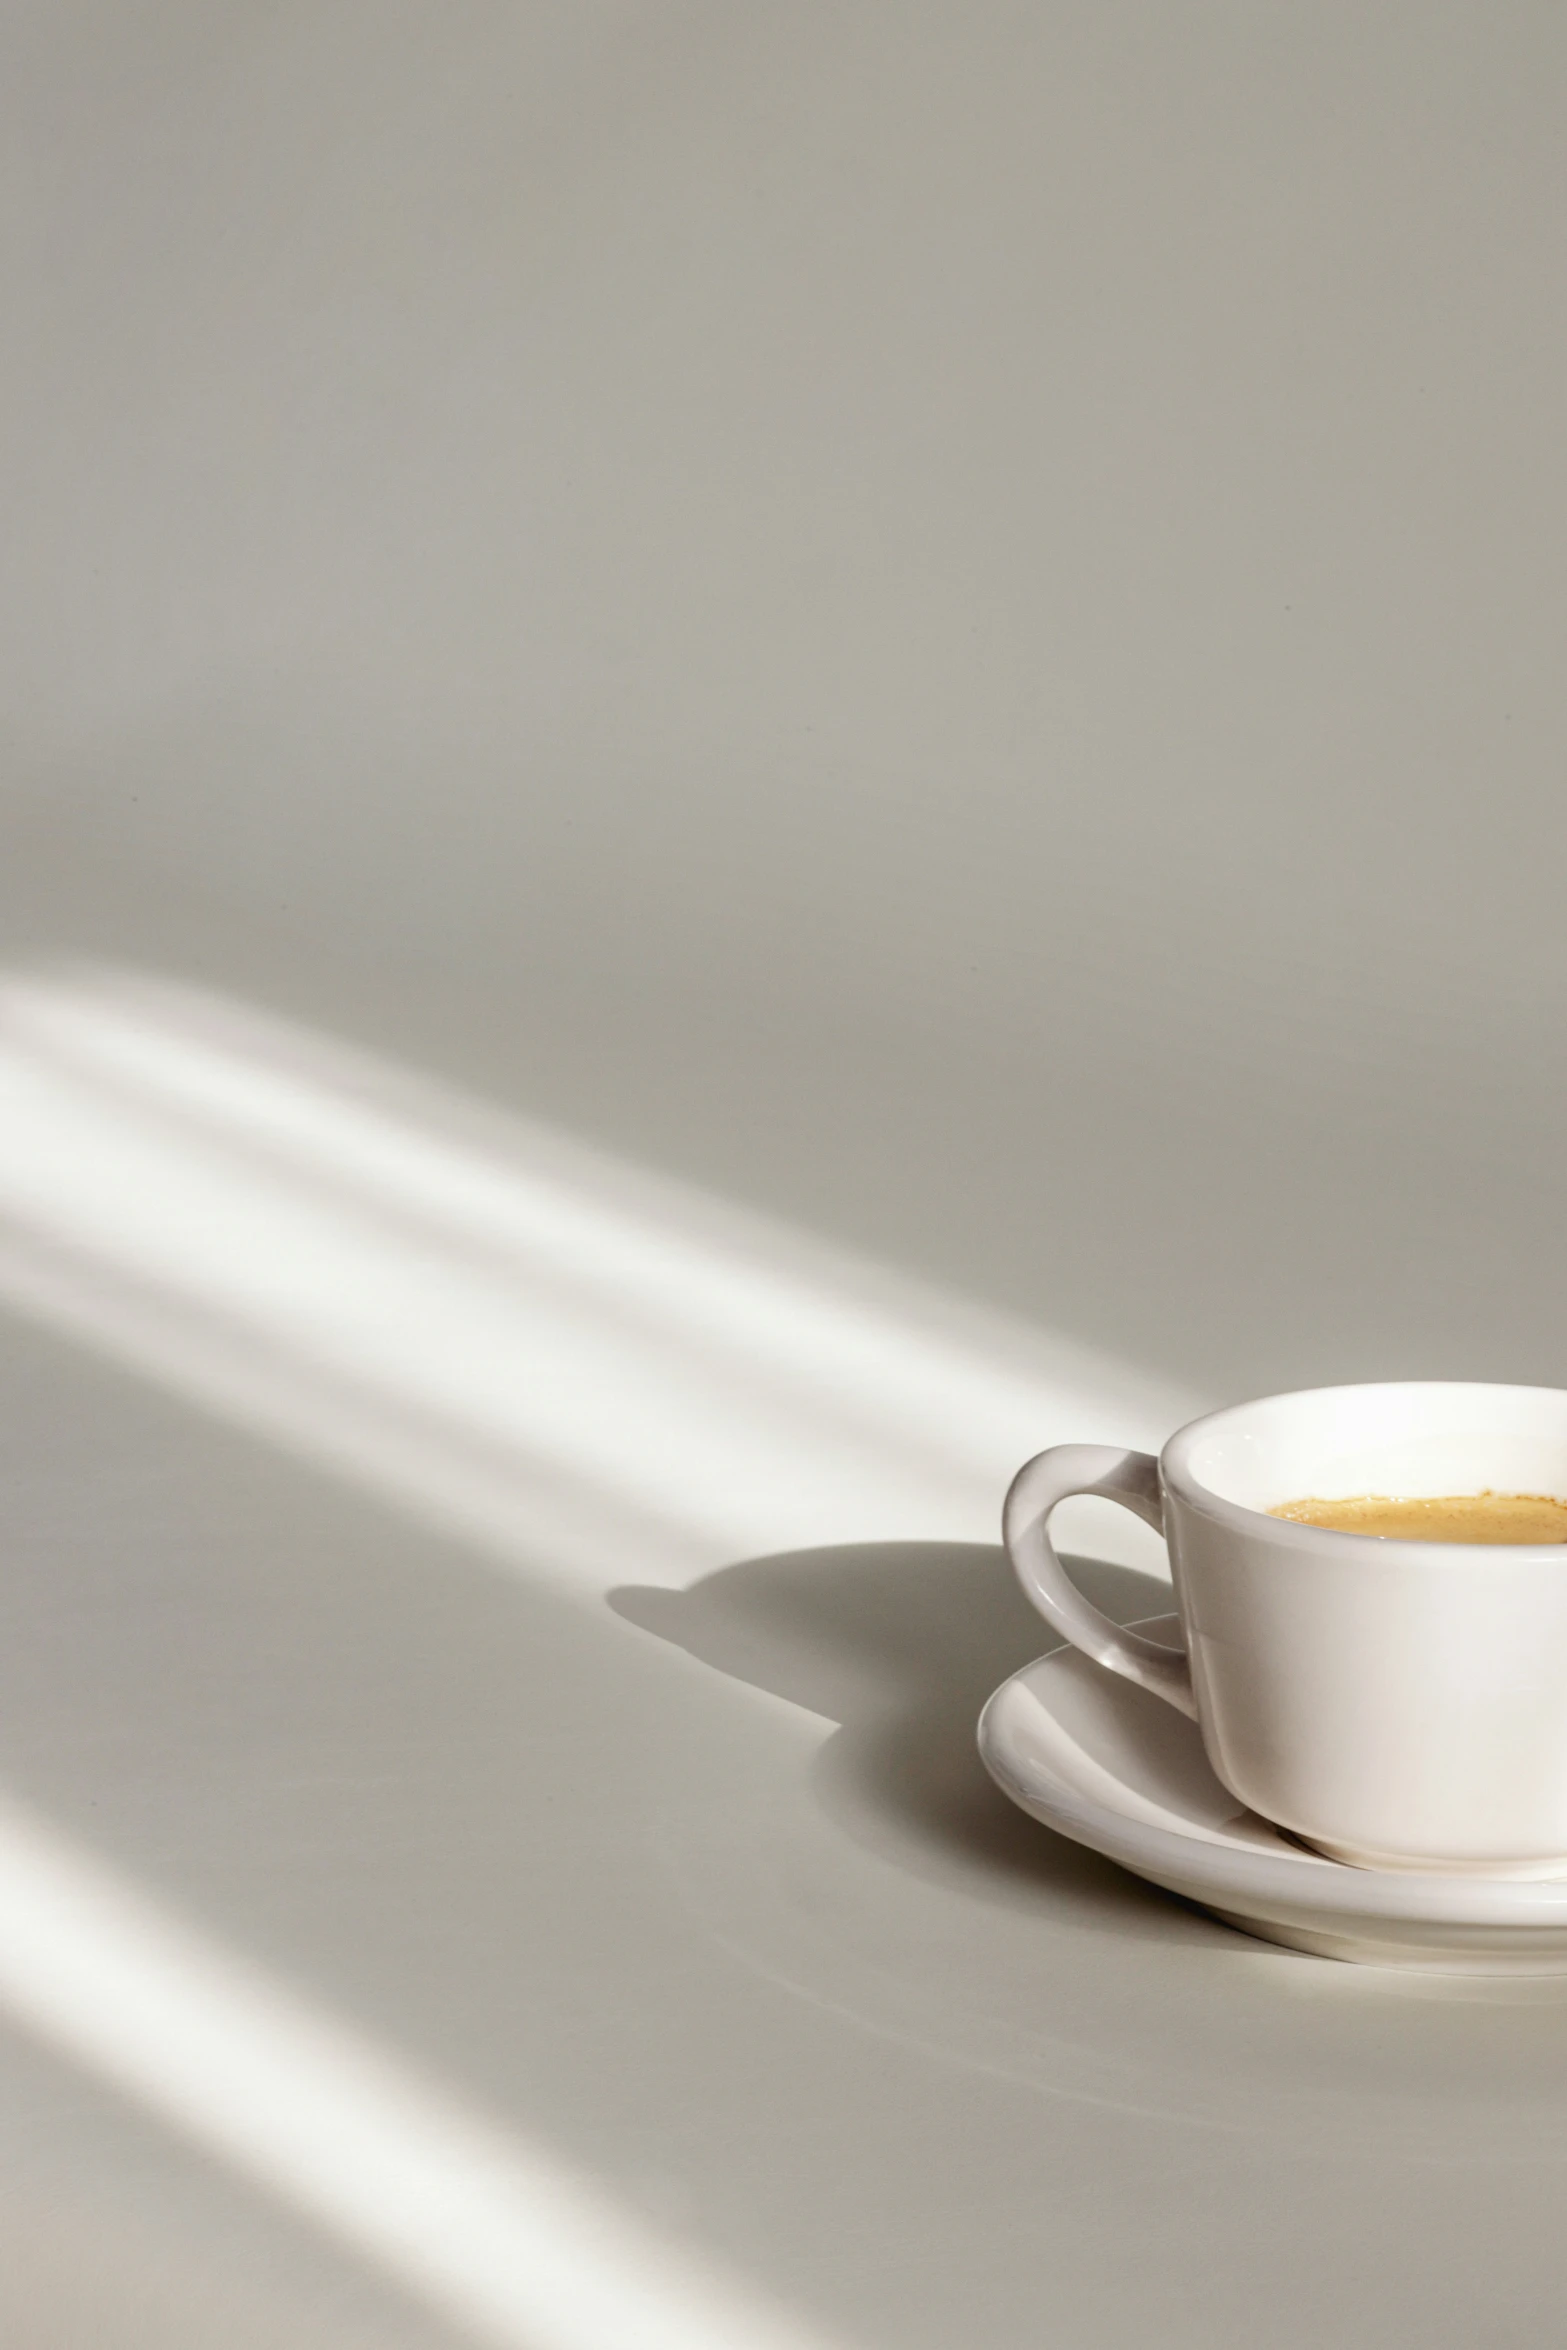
[[901, 1644]]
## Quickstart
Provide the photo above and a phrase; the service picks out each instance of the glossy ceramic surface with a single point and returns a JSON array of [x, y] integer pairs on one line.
[[1399, 1704], [1103, 1762]]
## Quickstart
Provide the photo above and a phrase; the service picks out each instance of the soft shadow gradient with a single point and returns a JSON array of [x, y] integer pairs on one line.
[[900, 1643]]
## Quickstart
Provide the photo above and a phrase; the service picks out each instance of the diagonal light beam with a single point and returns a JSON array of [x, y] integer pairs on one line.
[[568, 1361], [493, 2235]]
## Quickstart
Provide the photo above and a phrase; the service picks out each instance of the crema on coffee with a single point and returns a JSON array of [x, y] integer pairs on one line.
[[1446, 1517]]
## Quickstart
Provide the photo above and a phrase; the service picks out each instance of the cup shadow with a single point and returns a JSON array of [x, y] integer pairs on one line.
[[900, 1644]]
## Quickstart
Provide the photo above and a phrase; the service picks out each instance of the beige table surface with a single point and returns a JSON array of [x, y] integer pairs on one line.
[[750, 754]]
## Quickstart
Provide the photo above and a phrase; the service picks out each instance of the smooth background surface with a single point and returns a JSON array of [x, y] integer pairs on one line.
[[946, 625]]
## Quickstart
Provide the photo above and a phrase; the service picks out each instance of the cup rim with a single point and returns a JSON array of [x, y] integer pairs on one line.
[[1178, 1476]]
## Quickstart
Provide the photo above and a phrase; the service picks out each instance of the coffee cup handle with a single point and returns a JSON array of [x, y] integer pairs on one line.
[[1131, 1478]]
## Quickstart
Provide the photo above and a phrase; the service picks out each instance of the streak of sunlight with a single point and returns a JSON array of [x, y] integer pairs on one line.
[[580, 1367], [492, 2234], [576, 1364]]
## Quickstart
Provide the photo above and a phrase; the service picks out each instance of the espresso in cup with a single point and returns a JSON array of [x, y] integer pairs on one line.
[[1438, 1517], [1385, 1673]]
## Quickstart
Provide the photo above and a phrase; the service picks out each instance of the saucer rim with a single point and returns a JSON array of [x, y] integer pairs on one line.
[[1213, 1869]]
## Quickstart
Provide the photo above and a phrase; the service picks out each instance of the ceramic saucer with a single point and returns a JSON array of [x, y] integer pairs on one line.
[[1114, 1768]]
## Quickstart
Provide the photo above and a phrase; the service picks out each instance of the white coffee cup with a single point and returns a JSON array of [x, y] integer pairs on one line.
[[1396, 1704]]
